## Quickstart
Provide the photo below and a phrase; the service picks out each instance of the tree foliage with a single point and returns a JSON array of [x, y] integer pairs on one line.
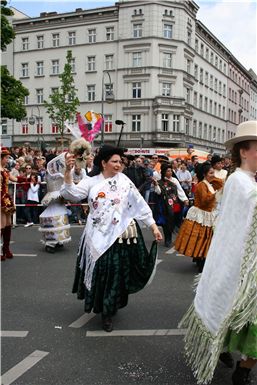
[[7, 32], [12, 90], [12, 96], [63, 101]]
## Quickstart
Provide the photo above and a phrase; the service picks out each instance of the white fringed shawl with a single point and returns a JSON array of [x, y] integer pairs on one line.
[[226, 296], [113, 203]]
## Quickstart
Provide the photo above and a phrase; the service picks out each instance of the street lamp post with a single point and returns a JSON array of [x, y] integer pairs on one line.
[[109, 98], [36, 118]]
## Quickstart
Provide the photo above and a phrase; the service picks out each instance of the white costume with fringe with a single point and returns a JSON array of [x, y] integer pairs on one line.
[[226, 296], [114, 203]]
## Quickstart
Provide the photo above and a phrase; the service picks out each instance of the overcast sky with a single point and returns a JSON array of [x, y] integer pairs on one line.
[[233, 22]]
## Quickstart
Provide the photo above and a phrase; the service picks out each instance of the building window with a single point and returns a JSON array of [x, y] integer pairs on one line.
[[215, 108], [210, 133], [202, 50], [166, 89], [40, 42], [108, 123], [167, 60], [26, 100], [136, 90], [200, 130], [187, 126], [206, 79], [40, 125], [56, 39], [206, 104], [73, 65], [108, 62], [91, 63], [189, 37], [225, 68], [4, 126], [25, 126], [92, 35], [211, 81], [167, 31], [40, 95], [176, 119], [194, 128], [54, 128], [25, 43], [137, 30], [195, 99], [54, 90], [25, 70], [165, 122], [196, 45], [136, 123], [55, 67], [109, 33], [189, 66], [196, 72], [211, 103], [188, 94], [205, 131], [224, 89], [201, 102], [137, 59], [216, 61], [72, 38], [40, 68], [207, 53], [108, 89], [201, 75], [220, 65], [220, 87], [212, 55], [216, 84], [91, 93]]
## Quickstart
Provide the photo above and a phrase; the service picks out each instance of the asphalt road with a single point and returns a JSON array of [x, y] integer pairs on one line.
[[47, 339]]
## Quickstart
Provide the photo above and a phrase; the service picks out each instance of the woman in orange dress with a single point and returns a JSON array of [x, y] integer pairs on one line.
[[7, 206], [194, 237]]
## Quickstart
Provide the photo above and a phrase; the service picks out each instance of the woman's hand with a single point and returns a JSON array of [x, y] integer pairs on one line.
[[156, 232], [69, 161]]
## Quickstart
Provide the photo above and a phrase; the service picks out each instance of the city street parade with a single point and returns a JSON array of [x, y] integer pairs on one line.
[[128, 195]]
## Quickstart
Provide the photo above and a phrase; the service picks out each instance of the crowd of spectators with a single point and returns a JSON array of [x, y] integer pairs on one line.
[[29, 166]]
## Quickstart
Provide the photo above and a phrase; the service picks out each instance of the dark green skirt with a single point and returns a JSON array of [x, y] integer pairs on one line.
[[244, 342], [122, 270]]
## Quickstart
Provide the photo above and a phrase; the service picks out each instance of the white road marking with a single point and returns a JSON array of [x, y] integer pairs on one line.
[[25, 255], [83, 320], [158, 261], [171, 251], [136, 333], [18, 370], [180, 255], [14, 333]]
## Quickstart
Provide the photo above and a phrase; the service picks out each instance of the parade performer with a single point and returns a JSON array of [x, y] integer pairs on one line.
[[7, 205], [223, 315], [54, 222], [113, 261], [195, 234]]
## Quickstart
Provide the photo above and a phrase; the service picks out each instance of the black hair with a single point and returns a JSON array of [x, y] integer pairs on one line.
[[164, 168], [202, 170]]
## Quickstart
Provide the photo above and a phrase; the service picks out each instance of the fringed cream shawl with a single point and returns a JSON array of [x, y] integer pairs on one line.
[[226, 296], [113, 203]]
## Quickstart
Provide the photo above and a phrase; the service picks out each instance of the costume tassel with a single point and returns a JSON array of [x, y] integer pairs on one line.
[[134, 240], [120, 240], [128, 241]]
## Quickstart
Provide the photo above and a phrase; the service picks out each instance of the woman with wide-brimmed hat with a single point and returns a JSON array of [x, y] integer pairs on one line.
[[113, 260], [7, 205], [224, 312]]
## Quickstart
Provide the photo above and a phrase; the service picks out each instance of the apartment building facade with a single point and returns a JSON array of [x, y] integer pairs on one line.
[[171, 78]]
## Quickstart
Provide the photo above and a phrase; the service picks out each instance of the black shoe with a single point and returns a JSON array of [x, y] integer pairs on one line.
[[227, 359], [241, 375], [107, 323]]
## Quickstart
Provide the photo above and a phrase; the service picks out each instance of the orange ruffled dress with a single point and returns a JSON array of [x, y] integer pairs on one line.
[[195, 234]]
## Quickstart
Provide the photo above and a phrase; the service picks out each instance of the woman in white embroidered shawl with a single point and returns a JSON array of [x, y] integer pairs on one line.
[[224, 311], [113, 260]]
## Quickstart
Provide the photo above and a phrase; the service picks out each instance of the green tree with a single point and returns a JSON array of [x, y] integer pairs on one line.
[[12, 90], [7, 32], [12, 96], [63, 101]]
